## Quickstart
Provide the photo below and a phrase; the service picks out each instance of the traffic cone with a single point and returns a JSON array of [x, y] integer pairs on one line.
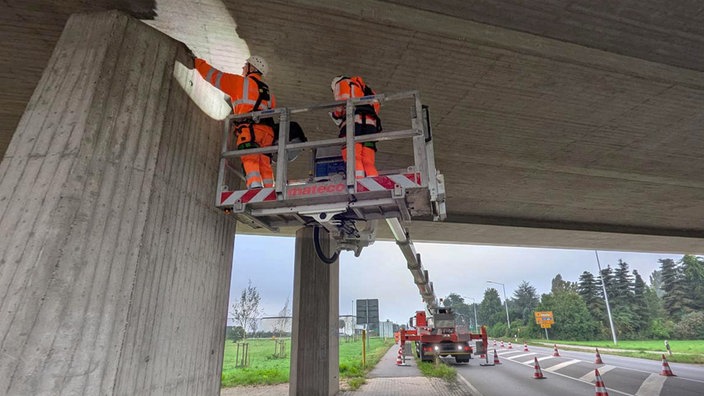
[[509, 345], [494, 342], [598, 357], [502, 343], [399, 360], [600, 388], [538, 372], [496, 357], [666, 368], [555, 353], [525, 347]]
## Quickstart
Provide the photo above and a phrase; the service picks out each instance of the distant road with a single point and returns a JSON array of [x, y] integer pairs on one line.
[[573, 374]]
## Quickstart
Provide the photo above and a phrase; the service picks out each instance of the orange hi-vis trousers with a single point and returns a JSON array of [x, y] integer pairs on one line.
[[257, 167], [364, 160]]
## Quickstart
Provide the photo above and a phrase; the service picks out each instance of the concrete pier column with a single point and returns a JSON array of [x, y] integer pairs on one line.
[[114, 264], [315, 350]]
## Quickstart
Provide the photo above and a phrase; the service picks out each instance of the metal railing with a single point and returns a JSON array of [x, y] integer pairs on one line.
[[420, 133]]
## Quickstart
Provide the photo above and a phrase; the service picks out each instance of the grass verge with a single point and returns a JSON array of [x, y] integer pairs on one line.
[[267, 369], [441, 370]]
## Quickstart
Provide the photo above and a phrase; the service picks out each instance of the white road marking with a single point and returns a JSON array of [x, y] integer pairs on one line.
[[520, 356], [589, 377], [606, 367], [652, 386], [540, 359], [562, 365], [508, 352]]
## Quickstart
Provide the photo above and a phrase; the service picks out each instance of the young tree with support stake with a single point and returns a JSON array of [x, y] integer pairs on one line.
[[246, 311]]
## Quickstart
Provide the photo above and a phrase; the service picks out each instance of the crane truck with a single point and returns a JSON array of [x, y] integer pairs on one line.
[[436, 333]]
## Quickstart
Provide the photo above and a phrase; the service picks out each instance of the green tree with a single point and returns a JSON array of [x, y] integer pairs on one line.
[[691, 327], [623, 285], [622, 304], [656, 283], [558, 285], [524, 301], [641, 310], [673, 287], [589, 289], [246, 311], [572, 318], [607, 278], [235, 333], [490, 309], [693, 280], [462, 310]]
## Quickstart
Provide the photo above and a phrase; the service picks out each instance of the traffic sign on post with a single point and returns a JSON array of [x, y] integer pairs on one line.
[[544, 317]]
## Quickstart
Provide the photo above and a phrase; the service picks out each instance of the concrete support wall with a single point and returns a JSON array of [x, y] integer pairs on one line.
[[315, 353], [114, 265]]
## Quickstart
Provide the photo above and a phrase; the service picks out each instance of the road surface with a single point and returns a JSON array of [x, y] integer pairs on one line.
[[572, 373]]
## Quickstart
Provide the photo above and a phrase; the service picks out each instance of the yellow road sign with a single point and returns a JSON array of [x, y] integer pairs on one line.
[[544, 317]]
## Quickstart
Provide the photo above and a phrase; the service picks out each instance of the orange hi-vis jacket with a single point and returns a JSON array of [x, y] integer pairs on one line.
[[353, 87], [244, 91]]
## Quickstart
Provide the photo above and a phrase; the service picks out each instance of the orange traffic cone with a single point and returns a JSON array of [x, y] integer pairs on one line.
[[399, 360], [496, 357], [600, 388], [598, 357], [555, 353], [525, 347], [538, 372], [509, 345], [666, 368]]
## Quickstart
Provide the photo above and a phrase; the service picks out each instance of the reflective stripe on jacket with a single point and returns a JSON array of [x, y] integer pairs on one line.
[[351, 87], [243, 91]]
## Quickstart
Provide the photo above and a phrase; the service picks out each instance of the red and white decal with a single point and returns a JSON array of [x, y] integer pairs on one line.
[[376, 183], [379, 183], [246, 196]]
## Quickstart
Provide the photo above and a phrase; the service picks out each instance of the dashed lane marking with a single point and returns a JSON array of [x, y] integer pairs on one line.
[[520, 356], [589, 377], [562, 365], [652, 386]]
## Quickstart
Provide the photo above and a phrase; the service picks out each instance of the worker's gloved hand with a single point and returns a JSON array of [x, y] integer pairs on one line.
[[337, 121], [187, 57]]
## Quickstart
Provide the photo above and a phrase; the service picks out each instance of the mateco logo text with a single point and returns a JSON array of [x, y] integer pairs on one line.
[[317, 189]]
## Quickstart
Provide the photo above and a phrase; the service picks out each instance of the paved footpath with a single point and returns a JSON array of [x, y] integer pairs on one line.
[[386, 379]]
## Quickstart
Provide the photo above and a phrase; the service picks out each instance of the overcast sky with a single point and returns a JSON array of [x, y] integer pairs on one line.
[[380, 271]]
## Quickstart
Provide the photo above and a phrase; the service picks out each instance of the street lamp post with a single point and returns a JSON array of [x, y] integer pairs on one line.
[[606, 298], [505, 302], [476, 323]]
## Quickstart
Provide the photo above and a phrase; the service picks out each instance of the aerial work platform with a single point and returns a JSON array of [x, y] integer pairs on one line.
[[331, 196]]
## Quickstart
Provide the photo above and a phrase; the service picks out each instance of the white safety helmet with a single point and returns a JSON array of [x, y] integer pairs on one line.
[[335, 81], [259, 63]]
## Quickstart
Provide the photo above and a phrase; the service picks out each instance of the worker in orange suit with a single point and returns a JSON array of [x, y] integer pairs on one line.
[[248, 93], [366, 121]]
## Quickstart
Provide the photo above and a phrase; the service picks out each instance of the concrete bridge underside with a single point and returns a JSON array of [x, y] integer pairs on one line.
[[566, 124]]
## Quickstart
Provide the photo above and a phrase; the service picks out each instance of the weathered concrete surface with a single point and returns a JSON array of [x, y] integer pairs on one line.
[[315, 348], [112, 257], [556, 123]]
